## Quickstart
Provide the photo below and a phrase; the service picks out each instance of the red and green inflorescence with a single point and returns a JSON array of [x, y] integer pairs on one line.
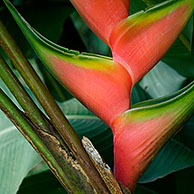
[[104, 84]]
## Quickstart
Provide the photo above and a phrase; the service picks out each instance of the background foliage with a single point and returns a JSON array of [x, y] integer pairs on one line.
[[22, 170]]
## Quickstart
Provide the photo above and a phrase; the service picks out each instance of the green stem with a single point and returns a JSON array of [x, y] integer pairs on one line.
[[65, 168], [26, 129], [57, 118], [22, 96]]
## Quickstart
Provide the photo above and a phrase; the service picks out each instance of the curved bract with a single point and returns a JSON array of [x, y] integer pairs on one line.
[[140, 41], [98, 82], [140, 133], [102, 15]]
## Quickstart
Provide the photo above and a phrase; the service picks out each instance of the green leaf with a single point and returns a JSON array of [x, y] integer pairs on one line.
[[17, 156], [164, 99], [180, 59], [87, 124], [76, 113], [16, 159], [48, 15], [138, 94], [173, 157], [162, 80]]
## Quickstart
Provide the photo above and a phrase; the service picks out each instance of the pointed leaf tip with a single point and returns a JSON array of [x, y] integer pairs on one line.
[[101, 15], [141, 132], [139, 41]]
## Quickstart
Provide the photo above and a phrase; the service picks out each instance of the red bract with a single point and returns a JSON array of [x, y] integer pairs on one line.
[[139, 41], [100, 84], [102, 15], [141, 132], [104, 85]]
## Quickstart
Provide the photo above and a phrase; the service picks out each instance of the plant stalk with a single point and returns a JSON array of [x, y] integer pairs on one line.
[[62, 164], [28, 132], [57, 118], [22, 96]]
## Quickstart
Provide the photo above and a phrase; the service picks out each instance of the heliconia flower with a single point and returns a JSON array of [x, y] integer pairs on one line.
[[140, 132], [98, 82], [104, 85], [139, 41], [102, 15]]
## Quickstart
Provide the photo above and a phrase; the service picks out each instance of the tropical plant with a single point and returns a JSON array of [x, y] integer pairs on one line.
[[112, 88]]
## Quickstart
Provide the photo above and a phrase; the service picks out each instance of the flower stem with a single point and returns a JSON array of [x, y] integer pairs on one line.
[[15, 115], [22, 96], [57, 118]]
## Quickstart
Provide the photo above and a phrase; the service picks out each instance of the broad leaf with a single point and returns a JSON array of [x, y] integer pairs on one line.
[[16, 159], [138, 94], [162, 80], [173, 157], [180, 59], [17, 156]]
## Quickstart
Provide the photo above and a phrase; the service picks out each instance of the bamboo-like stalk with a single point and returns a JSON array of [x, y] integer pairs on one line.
[[57, 118], [21, 95], [28, 132], [74, 180]]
